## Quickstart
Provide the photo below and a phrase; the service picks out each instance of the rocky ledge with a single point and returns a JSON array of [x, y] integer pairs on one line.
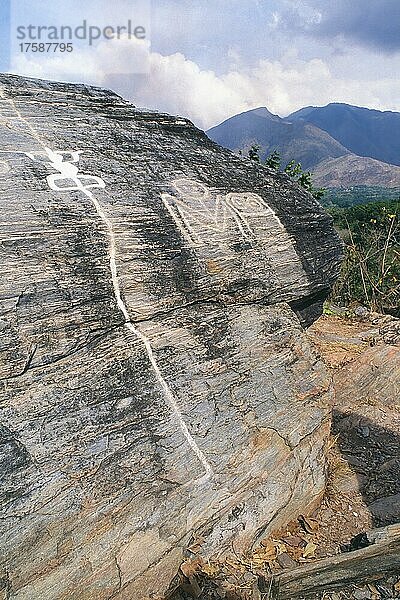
[[156, 386]]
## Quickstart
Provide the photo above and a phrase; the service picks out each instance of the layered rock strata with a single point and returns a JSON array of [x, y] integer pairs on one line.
[[155, 382]]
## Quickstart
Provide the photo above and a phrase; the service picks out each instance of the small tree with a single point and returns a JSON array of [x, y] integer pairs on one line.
[[295, 171], [254, 153], [273, 161]]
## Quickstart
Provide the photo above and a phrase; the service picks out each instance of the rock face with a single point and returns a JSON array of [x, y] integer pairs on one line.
[[364, 356], [156, 384]]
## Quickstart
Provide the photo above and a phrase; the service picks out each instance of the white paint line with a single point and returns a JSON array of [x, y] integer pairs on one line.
[[70, 171], [21, 118], [117, 292]]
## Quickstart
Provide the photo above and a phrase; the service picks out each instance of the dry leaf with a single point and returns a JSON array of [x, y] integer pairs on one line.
[[267, 551], [309, 550], [210, 569], [236, 566], [296, 553], [190, 567], [196, 545], [265, 555], [280, 547]]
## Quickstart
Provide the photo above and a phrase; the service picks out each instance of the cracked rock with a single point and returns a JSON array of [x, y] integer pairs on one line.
[[156, 385]]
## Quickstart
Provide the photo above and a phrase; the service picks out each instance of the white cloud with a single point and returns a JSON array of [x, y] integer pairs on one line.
[[177, 85]]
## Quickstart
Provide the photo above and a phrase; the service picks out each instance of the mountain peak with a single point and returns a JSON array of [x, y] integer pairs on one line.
[[262, 111], [307, 144], [364, 131]]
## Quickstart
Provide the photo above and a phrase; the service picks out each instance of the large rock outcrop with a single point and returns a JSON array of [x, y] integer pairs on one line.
[[155, 380]]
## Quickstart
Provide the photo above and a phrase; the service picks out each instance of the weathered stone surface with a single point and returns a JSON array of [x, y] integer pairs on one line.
[[365, 356], [386, 508], [155, 381]]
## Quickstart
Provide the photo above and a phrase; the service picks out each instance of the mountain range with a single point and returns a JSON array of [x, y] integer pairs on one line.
[[341, 145]]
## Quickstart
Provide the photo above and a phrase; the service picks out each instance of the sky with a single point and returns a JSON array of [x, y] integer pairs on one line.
[[211, 59]]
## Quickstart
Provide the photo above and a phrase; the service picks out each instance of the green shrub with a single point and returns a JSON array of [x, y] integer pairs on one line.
[[371, 269]]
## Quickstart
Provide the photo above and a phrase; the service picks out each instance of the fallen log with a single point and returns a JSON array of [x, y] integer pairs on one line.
[[370, 563]]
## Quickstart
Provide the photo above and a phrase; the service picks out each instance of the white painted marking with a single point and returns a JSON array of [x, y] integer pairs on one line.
[[196, 212], [19, 116], [68, 170], [117, 292], [210, 222]]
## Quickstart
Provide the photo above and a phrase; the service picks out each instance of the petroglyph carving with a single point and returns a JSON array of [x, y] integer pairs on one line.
[[197, 211], [68, 171]]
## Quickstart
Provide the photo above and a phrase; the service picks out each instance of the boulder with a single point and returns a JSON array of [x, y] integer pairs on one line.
[[156, 386]]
